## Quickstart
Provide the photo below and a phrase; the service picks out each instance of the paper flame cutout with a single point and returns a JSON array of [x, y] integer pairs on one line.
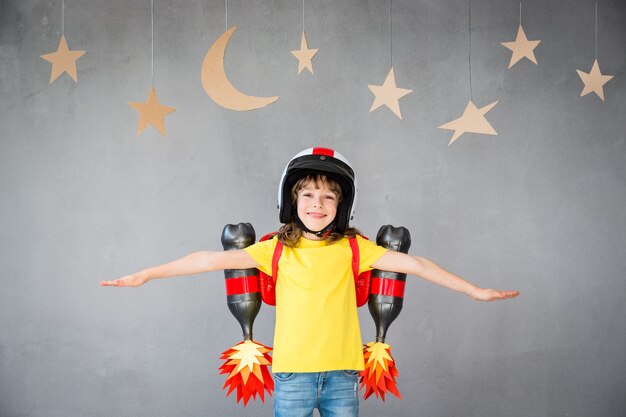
[[379, 375], [246, 365]]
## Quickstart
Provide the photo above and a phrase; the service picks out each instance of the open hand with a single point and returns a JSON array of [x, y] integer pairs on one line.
[[133, 280], [488, 294]]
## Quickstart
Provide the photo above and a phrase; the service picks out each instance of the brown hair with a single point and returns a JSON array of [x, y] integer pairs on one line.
[[290, 233]]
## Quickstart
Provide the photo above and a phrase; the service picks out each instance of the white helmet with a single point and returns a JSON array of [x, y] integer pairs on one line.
[[322, 161]]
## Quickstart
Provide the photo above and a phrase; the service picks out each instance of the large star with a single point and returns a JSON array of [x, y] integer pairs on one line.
[[522, 48], [63, 60], [151, 112], [304, 55], [473, 120], [594, 81], [388, 94]]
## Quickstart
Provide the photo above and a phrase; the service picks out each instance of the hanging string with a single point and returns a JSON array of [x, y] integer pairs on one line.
[[152, 39], [302, 15], [596, 30], [226, 13], [469, 49], [520, 13], [62, 17], [390, 34]]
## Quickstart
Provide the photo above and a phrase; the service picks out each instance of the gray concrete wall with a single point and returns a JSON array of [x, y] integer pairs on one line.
[[539, 208]]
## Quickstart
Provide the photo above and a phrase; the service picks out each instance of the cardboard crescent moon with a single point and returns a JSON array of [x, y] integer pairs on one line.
[[216, 84]]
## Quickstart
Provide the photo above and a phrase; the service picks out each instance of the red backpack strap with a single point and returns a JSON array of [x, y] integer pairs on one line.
[[278, 250], [267, 282], [361, 281], [356, 257]]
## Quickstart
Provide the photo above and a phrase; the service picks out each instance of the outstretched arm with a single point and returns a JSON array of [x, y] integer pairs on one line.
[[193, 263], [427, 269]]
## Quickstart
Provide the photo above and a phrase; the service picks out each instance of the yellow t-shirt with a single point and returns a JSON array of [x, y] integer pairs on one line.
[[317, 325]]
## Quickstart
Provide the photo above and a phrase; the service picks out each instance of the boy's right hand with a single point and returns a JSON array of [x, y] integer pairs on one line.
[[132, 280]]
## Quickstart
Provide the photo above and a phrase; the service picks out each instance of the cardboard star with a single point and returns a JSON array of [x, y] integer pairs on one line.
[[522, 48], [304, 55], [594, 81], [388, 94], [247, 353], [151, 112], [63, 60], [473, 120]]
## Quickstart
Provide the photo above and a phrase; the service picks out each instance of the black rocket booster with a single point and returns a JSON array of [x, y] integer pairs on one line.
[[242, 285], [387, 288]]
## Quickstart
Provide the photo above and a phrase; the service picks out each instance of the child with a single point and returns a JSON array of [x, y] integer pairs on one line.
[[317, 342]]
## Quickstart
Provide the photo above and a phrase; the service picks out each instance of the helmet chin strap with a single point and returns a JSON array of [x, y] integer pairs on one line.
[[322, 233]]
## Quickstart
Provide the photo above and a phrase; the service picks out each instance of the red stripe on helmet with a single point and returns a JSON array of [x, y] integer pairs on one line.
[[324, 151], [386, 286], [242, 285]]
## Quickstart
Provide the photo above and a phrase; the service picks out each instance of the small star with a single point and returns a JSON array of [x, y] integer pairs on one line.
[[63, 60], [304, 55], [473, 120], [522, 48], [379, 353], [248, 354], [151, 112], [388, 94], [594, 81]]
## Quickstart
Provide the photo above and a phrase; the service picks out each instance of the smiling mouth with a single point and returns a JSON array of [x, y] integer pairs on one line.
[[316, 215]]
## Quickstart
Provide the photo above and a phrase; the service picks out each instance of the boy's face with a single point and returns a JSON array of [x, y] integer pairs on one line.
[[317, 206]]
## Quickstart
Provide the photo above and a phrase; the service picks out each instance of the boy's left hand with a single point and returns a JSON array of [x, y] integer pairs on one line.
[[488, 294]]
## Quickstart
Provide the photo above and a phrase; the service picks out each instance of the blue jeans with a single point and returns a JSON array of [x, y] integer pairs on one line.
[[333, 393]]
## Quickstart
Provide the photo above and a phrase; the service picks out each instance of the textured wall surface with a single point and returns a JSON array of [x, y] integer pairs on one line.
[[538, 208]]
